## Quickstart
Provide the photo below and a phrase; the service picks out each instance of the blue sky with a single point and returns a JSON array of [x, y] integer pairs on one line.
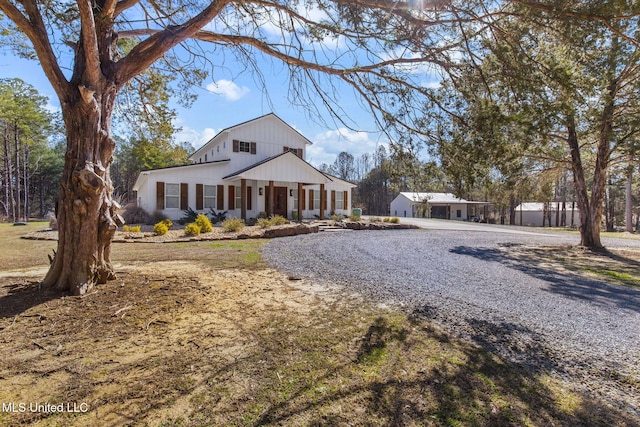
[[234, 99], [232, 96]]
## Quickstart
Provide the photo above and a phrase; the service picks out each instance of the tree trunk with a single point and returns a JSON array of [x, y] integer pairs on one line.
[[86, 213], [7, 173], [17, 173], [629, 199], [25, 178], [589, 229]]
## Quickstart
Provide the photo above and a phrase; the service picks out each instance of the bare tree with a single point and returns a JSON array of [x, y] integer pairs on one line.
[[376, 42]]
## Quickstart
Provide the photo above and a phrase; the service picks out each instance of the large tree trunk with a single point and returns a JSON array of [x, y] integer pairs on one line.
[[589, 227], [86, 213]]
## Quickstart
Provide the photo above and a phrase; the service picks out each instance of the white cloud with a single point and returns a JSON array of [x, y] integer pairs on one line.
[[195, 137], [228, 89], [327, 145]]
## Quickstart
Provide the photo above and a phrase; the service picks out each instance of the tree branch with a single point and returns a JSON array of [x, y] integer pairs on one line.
[[34, 28], [149, 50], [92, 74]]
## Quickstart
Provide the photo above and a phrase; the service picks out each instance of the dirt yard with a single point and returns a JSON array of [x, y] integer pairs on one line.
[[202, 333]]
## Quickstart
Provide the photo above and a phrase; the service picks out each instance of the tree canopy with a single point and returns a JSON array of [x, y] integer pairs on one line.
[[90, 50]]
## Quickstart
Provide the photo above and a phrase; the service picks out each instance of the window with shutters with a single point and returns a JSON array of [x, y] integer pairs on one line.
[[339, 200], [210, 196], [316, 200], [244, 147], [171, 196], [238, 197]]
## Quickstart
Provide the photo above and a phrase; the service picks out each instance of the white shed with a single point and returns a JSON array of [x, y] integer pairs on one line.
[[532, 214], [430, 205]]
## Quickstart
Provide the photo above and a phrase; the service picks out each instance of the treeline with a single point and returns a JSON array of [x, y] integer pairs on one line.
[[33, 147], [382, 175], [32, 152]]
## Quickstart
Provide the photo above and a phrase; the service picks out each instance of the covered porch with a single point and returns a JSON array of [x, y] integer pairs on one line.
[[277, 186]]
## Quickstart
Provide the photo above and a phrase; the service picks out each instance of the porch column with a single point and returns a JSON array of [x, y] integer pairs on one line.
[[271, 196], [300, 201], [243, 198], [322, 201]]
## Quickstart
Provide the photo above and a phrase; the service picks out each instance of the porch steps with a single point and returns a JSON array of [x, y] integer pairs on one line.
[[324, 226]]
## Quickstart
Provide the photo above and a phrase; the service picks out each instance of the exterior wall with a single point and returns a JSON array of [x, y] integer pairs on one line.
[[462, 207], [401, 207], [269, 133], [308, 213], [532, 214], [212, 174], [534, 218]]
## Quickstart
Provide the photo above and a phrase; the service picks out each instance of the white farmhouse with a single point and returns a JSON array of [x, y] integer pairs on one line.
[[247, 169], [432, 205]]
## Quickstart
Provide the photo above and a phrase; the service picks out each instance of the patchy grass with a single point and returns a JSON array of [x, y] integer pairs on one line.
[[203, 334], [615, 266]]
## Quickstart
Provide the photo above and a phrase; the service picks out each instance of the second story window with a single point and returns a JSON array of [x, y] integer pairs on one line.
[[244, 147]]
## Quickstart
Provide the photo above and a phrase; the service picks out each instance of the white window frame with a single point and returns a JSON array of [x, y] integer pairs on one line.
[[238, 194], [244, 147], [316, 199], [210, 201], [171, 195], [340, 200]]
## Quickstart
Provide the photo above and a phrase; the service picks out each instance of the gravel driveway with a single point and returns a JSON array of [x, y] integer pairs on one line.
[[578, 329]]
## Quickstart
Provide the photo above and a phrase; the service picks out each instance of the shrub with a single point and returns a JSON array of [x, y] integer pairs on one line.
[[167, 222], [394, 220], [131, 228], [386, 219], [189, 216], [233, 224], [278, 220], [135, 215], [376, 219], [353, 217], [217, 217], [192, 229], [154, 219], [160, 229], [337, 217], [264, 223], [204, 223]]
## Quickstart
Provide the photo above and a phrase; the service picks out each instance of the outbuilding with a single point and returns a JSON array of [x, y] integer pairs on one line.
[[433, 205], [538, 214]]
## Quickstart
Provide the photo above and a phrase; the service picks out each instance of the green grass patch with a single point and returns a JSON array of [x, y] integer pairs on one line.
[[617, 276]]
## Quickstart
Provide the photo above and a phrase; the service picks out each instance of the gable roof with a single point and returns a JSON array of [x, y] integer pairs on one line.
[[266, 116], [281, 167], [142, 176], [432, 197], [539, 207]]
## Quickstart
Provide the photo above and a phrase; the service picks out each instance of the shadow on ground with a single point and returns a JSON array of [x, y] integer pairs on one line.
[[171, 350], [560, 267]]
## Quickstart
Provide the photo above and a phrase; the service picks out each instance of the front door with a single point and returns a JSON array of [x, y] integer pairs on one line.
[[279, 200]]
